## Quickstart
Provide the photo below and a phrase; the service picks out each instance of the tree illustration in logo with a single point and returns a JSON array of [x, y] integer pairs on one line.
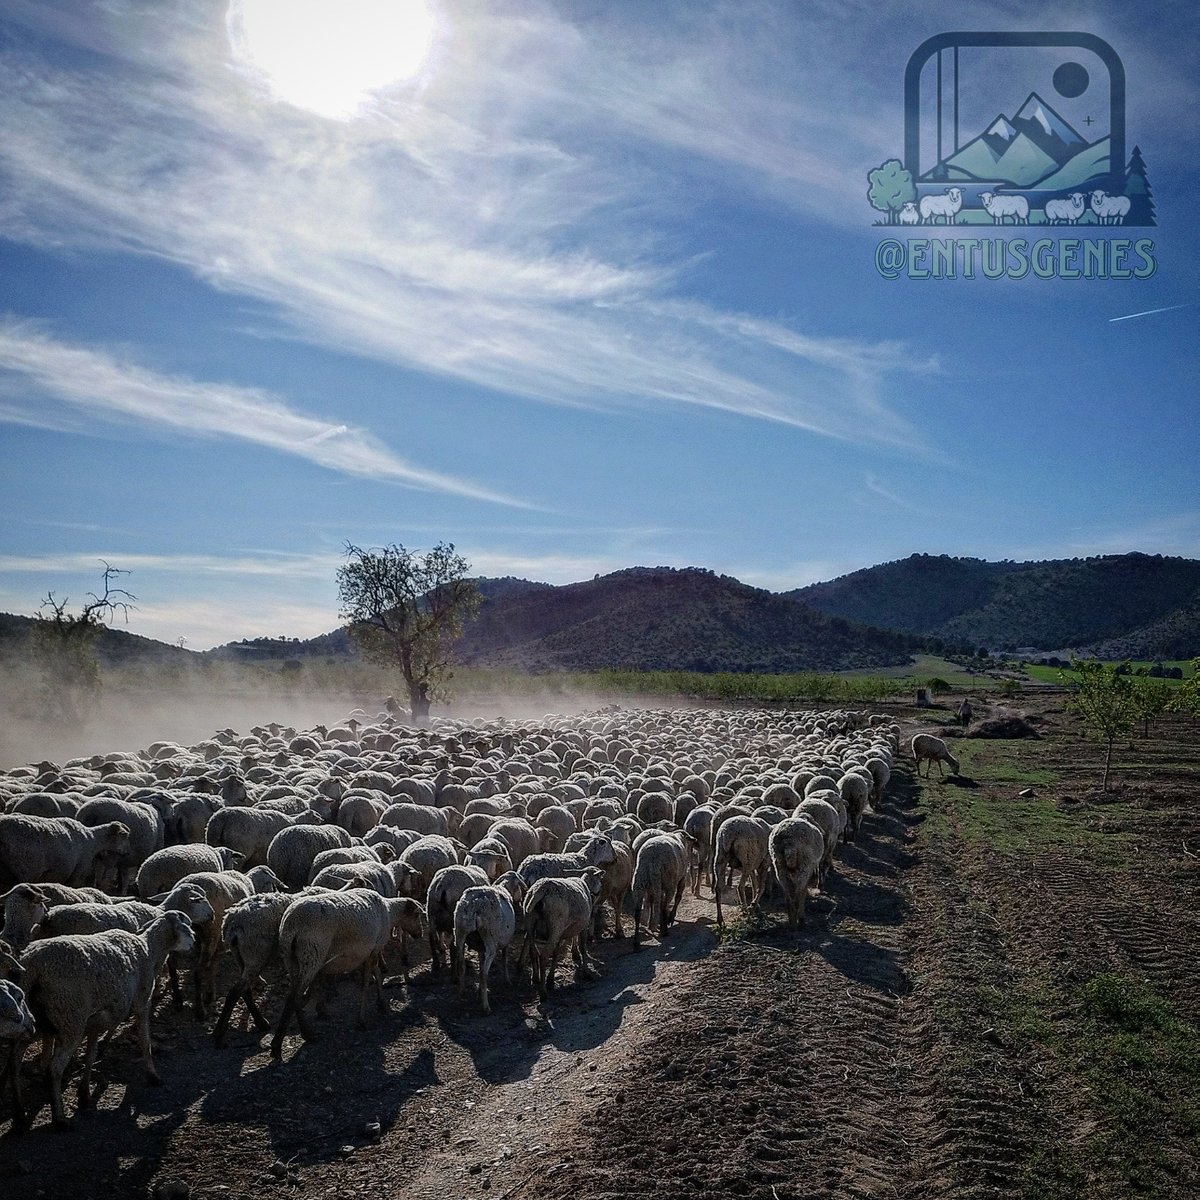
[[891, 188], [1137, 188]]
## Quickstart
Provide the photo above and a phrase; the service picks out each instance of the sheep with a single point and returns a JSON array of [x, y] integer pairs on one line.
[[492, 855], [855, 791], [485, 920], [247, 830], [445, 889], [24, 906], [374, 875], [909, 214], [146, 830], [659, 877], [945, 206], [331, 933], [1110, 210], [292, 850], [189, 818], [597, 852], [421, 861], [559, 911], [618, 878], [926, 746], [1001, 207], [741, 842], [698, 827], [358, 815], [133, 915], [421, 817], [250, 932], [519, 836], [349, 854], [558, 823], [57, 849], [797, 847], [16, 1029], [1066, 211], [166, 867], [85, 985], [222, 889], [829, 820]]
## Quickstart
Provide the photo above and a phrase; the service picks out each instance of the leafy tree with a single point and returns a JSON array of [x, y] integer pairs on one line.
[[407, 610], [1151, 698], [891, 188], [1103, 698], [1187, 696], [64, 646]]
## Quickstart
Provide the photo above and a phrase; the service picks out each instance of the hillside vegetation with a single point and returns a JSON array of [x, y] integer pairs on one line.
[[1148, 604]]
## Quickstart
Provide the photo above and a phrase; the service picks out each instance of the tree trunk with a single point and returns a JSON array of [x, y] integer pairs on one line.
[[1107, 763], [418, 698]]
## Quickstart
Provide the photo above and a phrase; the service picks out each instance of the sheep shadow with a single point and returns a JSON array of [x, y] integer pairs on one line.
[[580, 1013]]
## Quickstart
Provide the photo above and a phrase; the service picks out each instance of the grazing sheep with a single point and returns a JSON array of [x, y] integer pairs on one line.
[[999, 208], [797, 847], [933, 749], [855, 791], [597, 852], [250, 932], [742, 843], [945, 206], [659, 877], [292, 850], [132, 915], [16, 1030], [485, 920], [146, 829], [166, 867], [57, 849], [331, 933], [247, 830], [1068, 211], [445, 889], [86, 985], [558, 912], [1110, 210]]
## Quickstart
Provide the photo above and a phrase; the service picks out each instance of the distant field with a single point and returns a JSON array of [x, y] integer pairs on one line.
[[923, 668], [1060, 675]]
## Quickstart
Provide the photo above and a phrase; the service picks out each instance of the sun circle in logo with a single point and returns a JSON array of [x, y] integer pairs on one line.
[[1070, 79]]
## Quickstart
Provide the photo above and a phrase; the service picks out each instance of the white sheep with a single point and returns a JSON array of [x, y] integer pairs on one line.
[[659, 877], [741, 842], [247, 830], [57, 849], [945, 206], [485, 920], [445, 889], [133, 915], [16, 1030], [331, 933], [999, 208], [1068, 211], [559, 912], [909, 214], [1110, 210], [86, 985], [797, 847], [165, 868], [934, 750], [292, 850], [855, 790]]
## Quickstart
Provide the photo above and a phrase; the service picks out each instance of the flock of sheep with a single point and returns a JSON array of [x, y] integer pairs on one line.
[[317, 853], [1108, 210]]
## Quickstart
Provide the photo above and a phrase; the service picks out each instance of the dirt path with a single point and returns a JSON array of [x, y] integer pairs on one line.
[[927, 1036]]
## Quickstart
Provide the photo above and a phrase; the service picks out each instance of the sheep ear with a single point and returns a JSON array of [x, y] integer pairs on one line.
[[157, 899]]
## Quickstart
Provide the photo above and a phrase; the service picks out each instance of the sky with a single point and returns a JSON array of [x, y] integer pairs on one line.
[[574, 286]]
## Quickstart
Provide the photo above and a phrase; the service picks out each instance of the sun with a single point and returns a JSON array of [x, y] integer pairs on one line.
[[328, 56]]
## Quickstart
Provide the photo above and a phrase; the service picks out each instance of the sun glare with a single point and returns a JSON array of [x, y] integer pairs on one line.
[[328, 56]]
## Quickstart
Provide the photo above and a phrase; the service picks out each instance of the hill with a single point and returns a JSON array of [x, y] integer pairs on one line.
[[1077, 602], [659, 618], [116, 647]]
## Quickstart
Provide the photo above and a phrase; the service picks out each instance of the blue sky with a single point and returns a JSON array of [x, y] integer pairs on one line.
[[575, 286]]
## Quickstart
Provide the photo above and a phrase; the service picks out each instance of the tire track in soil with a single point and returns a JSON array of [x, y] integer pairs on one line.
[[782, 1067]]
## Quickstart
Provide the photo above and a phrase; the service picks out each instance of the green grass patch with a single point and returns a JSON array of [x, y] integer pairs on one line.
[[1142, 1067], [1061, 675]]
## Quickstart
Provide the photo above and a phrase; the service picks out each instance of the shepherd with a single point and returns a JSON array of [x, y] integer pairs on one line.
[[964, 712]]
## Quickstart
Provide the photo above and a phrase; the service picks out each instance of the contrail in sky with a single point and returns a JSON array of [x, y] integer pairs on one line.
[[1151, 311]]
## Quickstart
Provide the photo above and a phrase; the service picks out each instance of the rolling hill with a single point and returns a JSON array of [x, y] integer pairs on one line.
[[1080, 602]]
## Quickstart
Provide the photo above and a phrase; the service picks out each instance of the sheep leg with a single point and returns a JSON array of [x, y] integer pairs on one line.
[[58, 1064], [285, 1019], [487, 956], [85, 1080], [255, 1013], [637, 920], [20, 1118], [617, 904], [678, 898], [143, 1028], [222, 1028], [460, 966]]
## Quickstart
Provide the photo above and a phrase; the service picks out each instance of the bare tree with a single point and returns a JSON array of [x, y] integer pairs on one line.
[[64, 645], [407, 610]]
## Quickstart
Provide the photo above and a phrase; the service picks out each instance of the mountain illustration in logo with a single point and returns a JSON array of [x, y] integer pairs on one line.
[[1037, 147]]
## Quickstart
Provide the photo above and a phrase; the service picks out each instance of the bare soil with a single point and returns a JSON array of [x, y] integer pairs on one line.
[[927, 1035]]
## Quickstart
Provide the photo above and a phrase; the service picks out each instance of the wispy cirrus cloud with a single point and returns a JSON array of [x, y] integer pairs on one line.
[[98, 383], [475, 227]]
